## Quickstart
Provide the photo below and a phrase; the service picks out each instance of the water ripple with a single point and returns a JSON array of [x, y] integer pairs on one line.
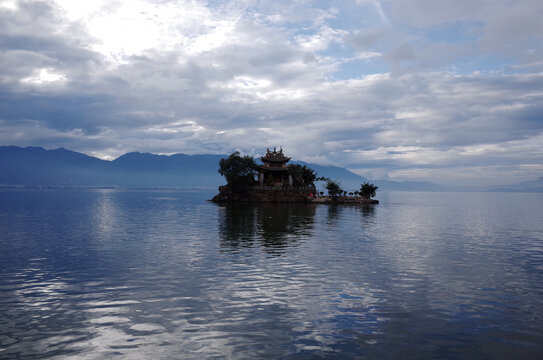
[[164, 274]]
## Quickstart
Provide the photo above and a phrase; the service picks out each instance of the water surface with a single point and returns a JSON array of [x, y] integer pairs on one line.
[[165, 274]]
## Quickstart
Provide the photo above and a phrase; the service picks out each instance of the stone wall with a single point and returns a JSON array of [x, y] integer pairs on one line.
[[260, 195]]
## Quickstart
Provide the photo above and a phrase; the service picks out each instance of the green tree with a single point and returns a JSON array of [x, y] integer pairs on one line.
[[302, 174], [333, 187], [239, 171], [368, 190]]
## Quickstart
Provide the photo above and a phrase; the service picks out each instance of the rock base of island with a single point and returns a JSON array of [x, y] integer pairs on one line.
[[226, 194], [355, 200]]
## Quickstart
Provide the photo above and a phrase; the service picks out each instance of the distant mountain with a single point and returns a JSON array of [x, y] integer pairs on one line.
[[178, 170], [347, 179], [35, 166], [390, 185], [352, 181], [526, 186]]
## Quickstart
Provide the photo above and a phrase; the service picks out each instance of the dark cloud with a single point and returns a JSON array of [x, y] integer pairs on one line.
[[364, 40]]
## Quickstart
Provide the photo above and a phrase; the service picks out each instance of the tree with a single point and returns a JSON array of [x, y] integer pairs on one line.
[[334, 189], [302, 174], [368, 190], [238, 171]]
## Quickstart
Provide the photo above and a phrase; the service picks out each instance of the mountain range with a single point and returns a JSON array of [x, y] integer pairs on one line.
[[36, 166], [526, 186]]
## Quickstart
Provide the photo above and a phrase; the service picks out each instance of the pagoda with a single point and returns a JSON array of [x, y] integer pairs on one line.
[[274, 170]]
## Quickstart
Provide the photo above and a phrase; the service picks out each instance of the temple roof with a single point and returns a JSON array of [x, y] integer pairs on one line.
[[275, 156], [273, 169]]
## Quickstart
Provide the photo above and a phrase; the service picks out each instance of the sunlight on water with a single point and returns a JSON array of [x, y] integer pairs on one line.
[[165, 274]]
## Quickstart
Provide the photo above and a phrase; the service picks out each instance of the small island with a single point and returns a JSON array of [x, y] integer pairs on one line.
[[275, 181]]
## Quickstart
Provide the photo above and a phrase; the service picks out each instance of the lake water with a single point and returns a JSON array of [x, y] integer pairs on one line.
[[134, 274]]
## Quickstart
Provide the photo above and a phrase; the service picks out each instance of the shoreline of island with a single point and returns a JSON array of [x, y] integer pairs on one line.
[[285, 195]]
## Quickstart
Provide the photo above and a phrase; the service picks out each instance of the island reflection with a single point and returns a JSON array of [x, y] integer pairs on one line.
[[274, 226]]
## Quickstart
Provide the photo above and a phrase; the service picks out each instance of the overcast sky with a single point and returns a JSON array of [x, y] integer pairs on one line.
[[449, 91]]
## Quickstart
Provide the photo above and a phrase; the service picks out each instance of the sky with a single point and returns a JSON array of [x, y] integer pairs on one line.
[[449, 91]]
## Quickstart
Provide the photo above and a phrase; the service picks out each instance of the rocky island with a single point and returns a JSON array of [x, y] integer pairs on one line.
[[275, 181]]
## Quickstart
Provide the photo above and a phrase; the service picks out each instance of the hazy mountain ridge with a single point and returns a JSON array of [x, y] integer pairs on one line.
[[39, 167], [35, 166], [526, 186]]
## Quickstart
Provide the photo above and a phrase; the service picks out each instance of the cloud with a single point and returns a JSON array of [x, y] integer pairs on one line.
[[429, 88]]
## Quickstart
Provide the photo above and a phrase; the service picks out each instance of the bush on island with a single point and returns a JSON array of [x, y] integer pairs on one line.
[[239, 171], [368, 190], [333, 187], [302, 174]]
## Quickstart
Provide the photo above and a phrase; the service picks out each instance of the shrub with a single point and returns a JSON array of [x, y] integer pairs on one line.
[[334, 189], [302, 174], [368, 190], [239, 171]]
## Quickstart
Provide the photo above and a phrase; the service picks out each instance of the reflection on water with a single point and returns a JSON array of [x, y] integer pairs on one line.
[[165, 274], [273, 226]]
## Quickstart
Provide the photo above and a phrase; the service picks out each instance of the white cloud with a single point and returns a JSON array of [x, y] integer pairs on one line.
[[9, 4], [44, 76], [387, 96]]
